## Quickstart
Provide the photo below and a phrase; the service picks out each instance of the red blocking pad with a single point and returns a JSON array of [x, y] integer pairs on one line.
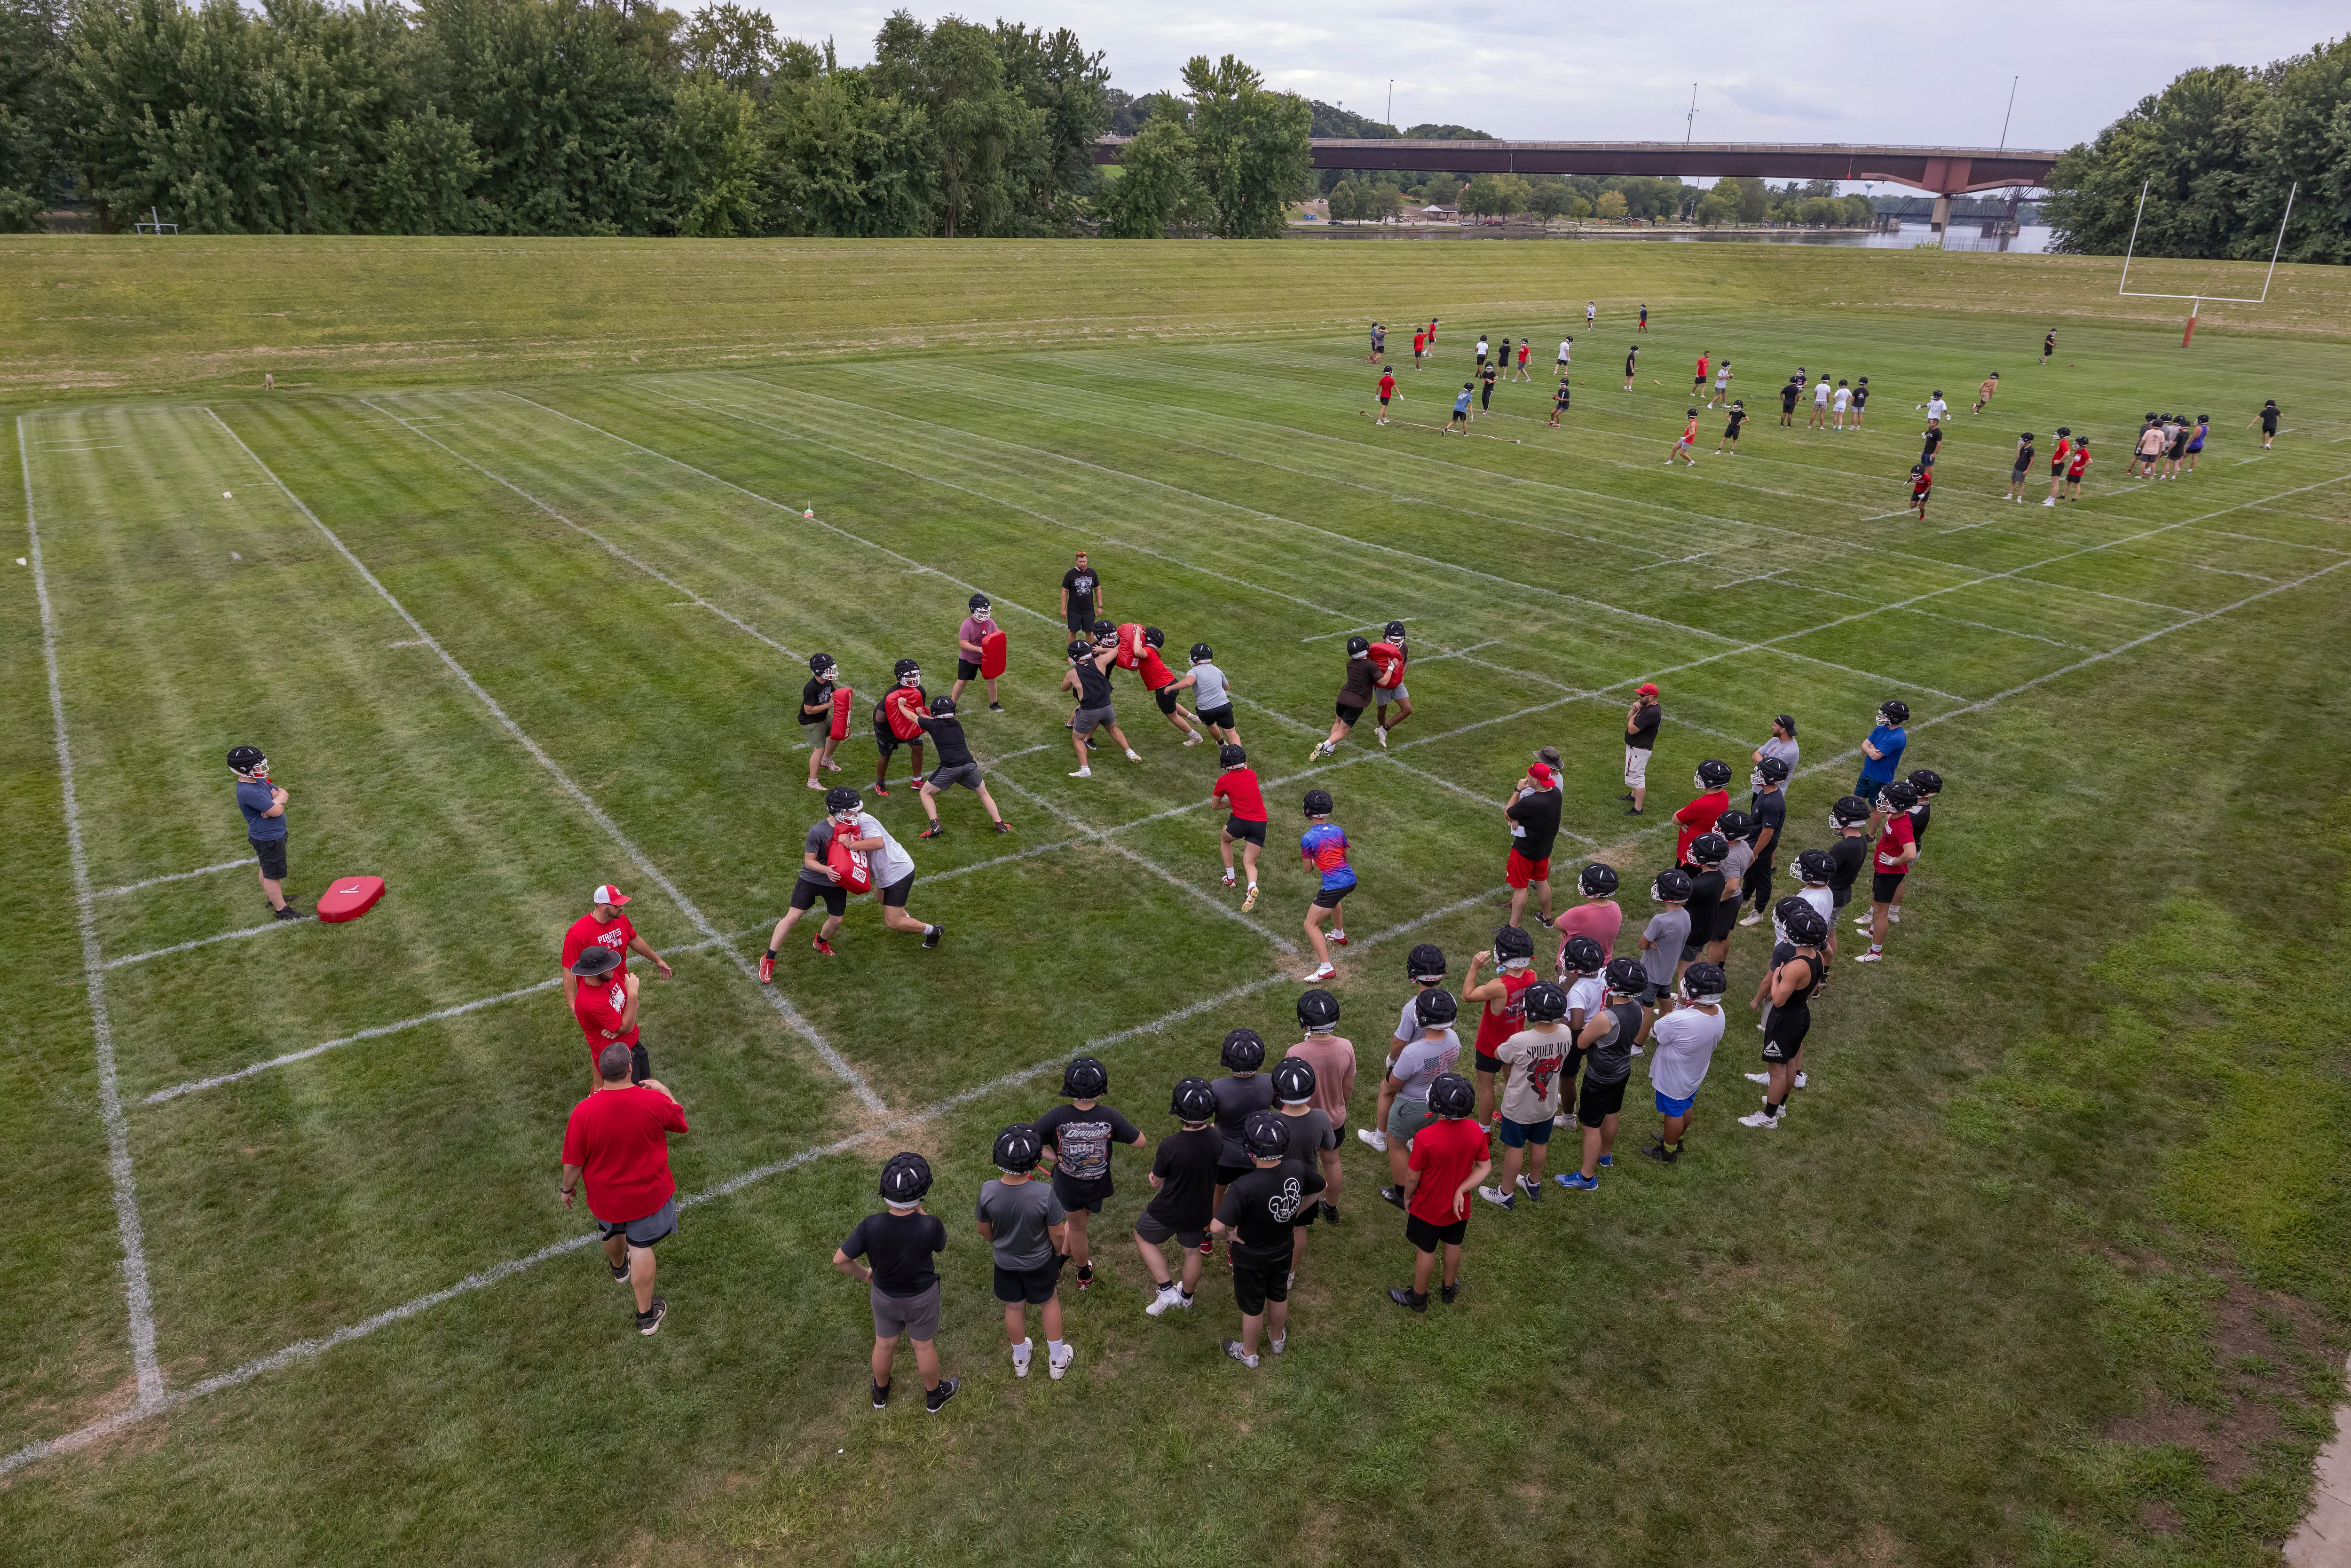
[[348, 898], [991, 655]]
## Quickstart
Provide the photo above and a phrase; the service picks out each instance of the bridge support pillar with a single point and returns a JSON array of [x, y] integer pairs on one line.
[[1942, 212]]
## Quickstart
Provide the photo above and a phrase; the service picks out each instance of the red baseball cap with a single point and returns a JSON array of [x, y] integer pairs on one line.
[[609, 894], [1646, 689], [1539, 773]]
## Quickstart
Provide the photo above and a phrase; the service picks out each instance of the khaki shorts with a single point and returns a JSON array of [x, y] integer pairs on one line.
[[916, 1317], [1636, 767]]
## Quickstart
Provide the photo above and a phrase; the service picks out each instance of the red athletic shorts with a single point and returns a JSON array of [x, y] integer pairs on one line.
[[1524, 872]]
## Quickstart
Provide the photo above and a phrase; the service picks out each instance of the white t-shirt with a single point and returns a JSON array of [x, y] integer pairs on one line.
[[1681, 1048], [1936, 408], [1821, 395], [1481, 348], [892, 863], [1587, 993], [1591, 312], [1820, 898], [1562, 349], [1843, 396]]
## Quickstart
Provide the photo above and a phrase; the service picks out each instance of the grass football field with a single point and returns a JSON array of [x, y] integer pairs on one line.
[[2048, 1265]]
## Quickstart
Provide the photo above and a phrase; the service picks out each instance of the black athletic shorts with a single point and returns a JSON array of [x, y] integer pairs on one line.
[[1076, 1194], [883, 741], [1222, 717], [1350, 713], [1488, 1063], [272, 855], [1600, 1100], [1840, 897], [1329, 897], [1427, 1237], [1165, 697], [1033, 1286], [805, 893], [1883, 885], [1255, 1283], [894, 895], [1227, 1175], [966, 670], [1082, 624], [1252, 832]]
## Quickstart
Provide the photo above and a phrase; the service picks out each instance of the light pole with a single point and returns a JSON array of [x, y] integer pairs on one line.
[[1390, 121], [1689, 120]]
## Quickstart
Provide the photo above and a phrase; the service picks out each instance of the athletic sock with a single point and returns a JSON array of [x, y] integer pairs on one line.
[[771, 952], [1053, 1347]]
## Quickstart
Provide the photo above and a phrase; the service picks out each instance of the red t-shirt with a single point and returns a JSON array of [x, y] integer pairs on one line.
[[618, 1139], [899, 708], [1419, 341], [1522, 353], [1387, 384], [1494, 1028], [2057, 458], [1689, 431], [1696, 818], [2081, 461], [1600, 921], [1444, 1153], [1899, 837], [1247, 796], [1923, 483], [589, 932], [597, 1005], [1156, 673], [1701, 367]]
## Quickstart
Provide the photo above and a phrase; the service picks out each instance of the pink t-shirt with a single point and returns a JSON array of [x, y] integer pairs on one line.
[[1600, 920], [975, 631]]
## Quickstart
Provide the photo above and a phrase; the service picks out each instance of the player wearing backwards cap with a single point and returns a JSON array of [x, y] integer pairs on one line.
[[616, 1143], [1533, 810], [968, 637], [1023, 1225], [1930, 784], [1895, 850], [2077, 466], [264, 805], [1609, 1038], [1532, 1063], [1922, 483], [1260, 1211], [1404, 1090], [905, 1280], [816, 716], [1332, 1059], [1598, 916], [1323, 847], [606, 1008], [1388, 657], [1312, 1138], [1684, 1038], [1212, 696], [1089, 677], [897, 722], [956, 766], [605, 926], [893, 874], [1238, 787], [1138, 650], [1078, 1139], [1797, 965], [1184, 1183], [1356, 694], [1449, 1159], [1641, 721], [1503, 1010]]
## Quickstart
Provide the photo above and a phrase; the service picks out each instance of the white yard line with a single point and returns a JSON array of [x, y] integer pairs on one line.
[[596, 813], [1350, 630], [306, 1350], [238, 934], [174, 876], [138, 1299]]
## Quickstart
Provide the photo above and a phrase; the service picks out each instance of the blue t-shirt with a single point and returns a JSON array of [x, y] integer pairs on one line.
[[1890, 740], [1325, 847], [254, 799], [1461, 403]]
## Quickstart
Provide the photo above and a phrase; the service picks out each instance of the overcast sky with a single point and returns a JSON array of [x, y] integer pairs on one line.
[[1795, 70]]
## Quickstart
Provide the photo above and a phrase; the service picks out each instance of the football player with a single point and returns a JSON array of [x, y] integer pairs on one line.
[[1930, 784], [1355, 695], [897, 722], [1388, 657]]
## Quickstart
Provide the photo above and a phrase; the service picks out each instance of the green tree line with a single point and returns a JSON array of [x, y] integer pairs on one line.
[[609, 117], [1362, 197], [2217, 152]]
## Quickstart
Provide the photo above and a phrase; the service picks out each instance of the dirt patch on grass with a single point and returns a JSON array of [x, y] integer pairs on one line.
[[2258, 1338]]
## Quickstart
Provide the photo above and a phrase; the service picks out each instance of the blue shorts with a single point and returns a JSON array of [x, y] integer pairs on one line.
[[1519, 1134], [1669, 1106], [1868, 789]]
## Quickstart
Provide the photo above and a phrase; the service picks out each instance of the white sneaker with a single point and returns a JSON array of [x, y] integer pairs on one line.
[[1759, 1078], [1182, 1300], [1374, 1137], [2046, 501], [1248, 899], [1764, 1119], [1279, 1345], [1893, 915], [1800, 1079], [1874, 956], [1321, 972], [1055, 1366], [1164, 1300], [1230, 881], [1132, 754], [817, 784], [1193, 738], [1498, 1198], [1083, 773], [1315, 754], [1380, 734], [1020, 1354], [1753, 917]]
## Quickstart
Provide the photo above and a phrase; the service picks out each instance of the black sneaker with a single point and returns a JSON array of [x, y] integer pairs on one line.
[[1085, 1275], [937, 1396], [1329, 1214], [1659, 1153], [1403, 1297], [1451, 1292], [1544, 918], [881, 1397], [931, 937], [620, 1271], [649, 1321], [287, 913], [996, 707], [1634, 812], [1394, 1194], [933, 831]]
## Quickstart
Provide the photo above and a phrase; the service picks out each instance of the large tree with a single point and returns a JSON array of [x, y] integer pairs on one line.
[[1253, 156], [847, 159], [32, 146]]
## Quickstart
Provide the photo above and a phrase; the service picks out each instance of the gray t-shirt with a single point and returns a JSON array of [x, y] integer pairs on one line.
[[1669, 929], [1310, 1134], [1417, 1065], [1020, 1214], [1785, 750], [1209, 689], [819, 844], [1735, 864]]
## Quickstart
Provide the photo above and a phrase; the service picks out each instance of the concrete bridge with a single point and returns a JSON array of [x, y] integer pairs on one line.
[[1941, 171]]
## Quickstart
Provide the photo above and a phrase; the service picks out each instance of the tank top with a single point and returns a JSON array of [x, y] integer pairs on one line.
[[1494, 1028], [1788, 1024]]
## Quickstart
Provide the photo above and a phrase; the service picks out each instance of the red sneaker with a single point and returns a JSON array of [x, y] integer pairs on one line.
[[823, 947], [879, 789], [767, 968], [1338, 939]]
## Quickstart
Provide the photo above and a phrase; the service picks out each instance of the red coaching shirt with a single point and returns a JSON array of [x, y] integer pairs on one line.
[[1696, 818], [619, 1139], [597, 1005], [1444, 1153], [1240, 789], [589, 932]]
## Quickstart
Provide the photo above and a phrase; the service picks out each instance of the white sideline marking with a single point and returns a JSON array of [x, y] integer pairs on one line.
[[241, 932], [2265, 540], [310, 1349], [657, 575], [1350, 630], [997, 501], [776, 998], [174, 876], [138, 1299]]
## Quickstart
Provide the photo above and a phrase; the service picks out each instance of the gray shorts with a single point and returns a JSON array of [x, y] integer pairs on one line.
[[1387, 696], [916, 1317], [1406, 1117], [966, 774], [1090, 719], [660, 1224]]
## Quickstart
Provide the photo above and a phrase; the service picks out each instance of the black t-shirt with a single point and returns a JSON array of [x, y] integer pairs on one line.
[[2269, 420], [1769, 809], [1094, 684], [1642, 735], [1561, 396], [1628, 364], [1261, 1208], [1849, 855], [1081, 1140], [1787, 397], [1860, 396], [813, 692], [947, 734], [1921, 815], [900, 1247], [1187, 1168], [2023, 456], [1236, 1098], [1361, 679], [1706, 892], [1738, 418], [1538, 813], [1081, 586], [1934, 438]]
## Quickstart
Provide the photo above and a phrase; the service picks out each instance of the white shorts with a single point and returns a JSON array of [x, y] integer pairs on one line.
[[1384, 696], [1636, 767]]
